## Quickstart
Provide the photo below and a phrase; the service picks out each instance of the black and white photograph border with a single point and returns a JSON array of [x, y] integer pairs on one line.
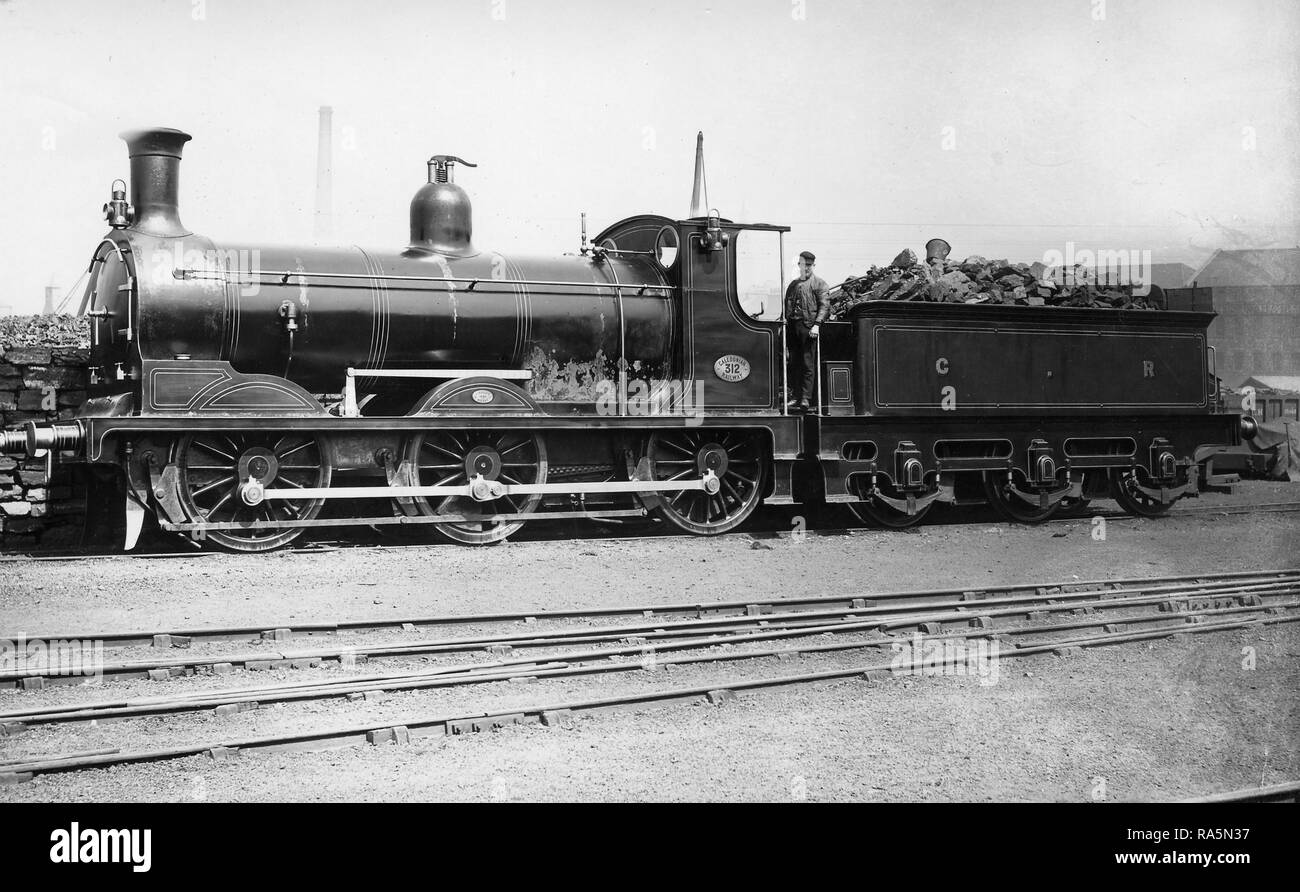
[[694, 401]]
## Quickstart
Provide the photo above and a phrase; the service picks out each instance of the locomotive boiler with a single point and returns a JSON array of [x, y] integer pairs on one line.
[[308, 314], [243, 394]]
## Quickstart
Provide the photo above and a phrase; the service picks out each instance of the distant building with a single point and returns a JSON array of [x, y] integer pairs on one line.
[[1277, 383], [1171, 275], [1277, 398], [1257, 297]]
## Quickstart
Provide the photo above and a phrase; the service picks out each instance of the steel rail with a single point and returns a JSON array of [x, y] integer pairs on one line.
[[478, 673], [396, 520], [1288, 791], [570, 664], [448, 725], [907, 614], [1266, 508], [617, 487], [752, 607], [647, 536], [791, 625]]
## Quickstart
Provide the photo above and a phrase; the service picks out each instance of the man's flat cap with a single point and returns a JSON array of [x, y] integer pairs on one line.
[[808, 255]]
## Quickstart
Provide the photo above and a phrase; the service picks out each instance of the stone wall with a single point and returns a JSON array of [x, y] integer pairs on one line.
[[43, 377]]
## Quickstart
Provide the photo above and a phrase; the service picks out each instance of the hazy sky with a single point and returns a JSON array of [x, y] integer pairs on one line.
[[1008, 127]]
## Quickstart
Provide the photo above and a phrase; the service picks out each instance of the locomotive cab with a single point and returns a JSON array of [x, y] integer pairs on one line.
[[729, 277]]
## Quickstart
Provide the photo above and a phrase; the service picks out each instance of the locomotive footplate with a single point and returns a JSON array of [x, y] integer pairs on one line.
[[102, 434]]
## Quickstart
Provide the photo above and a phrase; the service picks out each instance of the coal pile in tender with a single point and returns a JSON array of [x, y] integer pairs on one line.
[[977, 280]]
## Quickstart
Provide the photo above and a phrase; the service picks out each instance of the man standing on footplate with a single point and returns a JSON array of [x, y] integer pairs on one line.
[[807, 304]]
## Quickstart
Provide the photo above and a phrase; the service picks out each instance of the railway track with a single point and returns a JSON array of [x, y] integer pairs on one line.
[[655, 614], [652, 531], [658, 647], [1231, 604], [1108, 516], [1283, 792]]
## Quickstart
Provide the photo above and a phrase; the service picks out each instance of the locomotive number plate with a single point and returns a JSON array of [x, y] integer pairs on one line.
[[731, 367], [482, 396]]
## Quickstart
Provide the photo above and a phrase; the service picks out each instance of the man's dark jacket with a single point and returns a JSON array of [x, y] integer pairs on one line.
[[808, 300]]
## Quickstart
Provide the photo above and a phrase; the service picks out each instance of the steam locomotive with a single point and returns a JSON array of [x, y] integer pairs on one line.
[[246, 393]]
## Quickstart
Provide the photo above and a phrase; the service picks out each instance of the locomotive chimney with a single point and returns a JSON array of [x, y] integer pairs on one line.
[[155, 180], [442, 219]]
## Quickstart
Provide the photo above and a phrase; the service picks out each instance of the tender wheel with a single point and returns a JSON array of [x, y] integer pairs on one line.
[[736, 459], [875, 512], [1123, 489], [453, 458], [214, 466], [1011, 506]]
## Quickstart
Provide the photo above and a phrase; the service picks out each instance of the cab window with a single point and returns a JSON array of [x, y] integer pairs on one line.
[[758, 273]]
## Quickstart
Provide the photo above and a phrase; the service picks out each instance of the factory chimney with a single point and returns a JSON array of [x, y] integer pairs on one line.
[[50, 309], [324, 222], [701, 189]]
